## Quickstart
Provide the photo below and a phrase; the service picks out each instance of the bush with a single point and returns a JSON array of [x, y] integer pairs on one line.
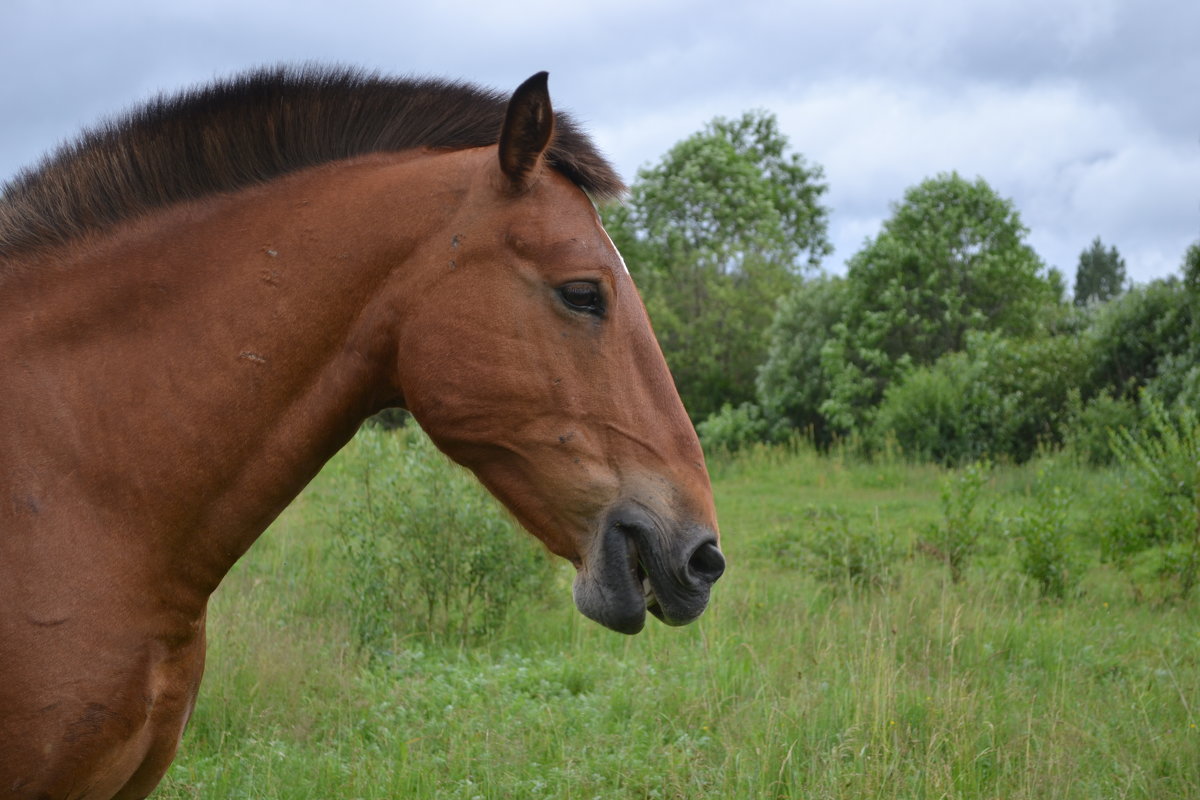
[[957, 538], [732, 429], [929, 413], [1002, 397], [1042, 540], [1090, 427], [1132, 336], [1178, 378], [840, 552], [430, 552], [951, 260], [1159, 509]]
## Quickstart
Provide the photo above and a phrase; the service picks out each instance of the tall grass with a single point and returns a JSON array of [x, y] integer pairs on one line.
[[790, 687]]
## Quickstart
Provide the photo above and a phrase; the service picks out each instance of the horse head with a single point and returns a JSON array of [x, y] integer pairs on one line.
[[546, 381]]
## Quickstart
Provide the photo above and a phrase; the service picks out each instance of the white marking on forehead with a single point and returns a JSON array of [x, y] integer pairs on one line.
[[615, 250]]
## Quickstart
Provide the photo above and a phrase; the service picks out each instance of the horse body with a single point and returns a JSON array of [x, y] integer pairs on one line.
[[180, 376]]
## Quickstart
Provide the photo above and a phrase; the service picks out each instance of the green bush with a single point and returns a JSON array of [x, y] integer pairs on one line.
[[951, 260], [1159, 507], [429, 551], [1043, 542], [929, 413], [1090, 426], [1001, 398], [1178, 379], [1133, 335], [957, 538], [732, 429], [792, 383], [840, 551]]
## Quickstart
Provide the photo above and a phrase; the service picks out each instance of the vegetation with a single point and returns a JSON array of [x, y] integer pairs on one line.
[[1159, 508], [727, 222], [950, 260], [1100, 275], [829, 666], [420, 579], [962, 516], [958, 536], [792, 383], [947, 336]]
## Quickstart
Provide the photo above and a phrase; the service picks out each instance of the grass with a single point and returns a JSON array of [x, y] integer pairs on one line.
[[789, 687]]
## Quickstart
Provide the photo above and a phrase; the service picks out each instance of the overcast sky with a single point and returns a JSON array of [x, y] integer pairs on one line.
[[1086, 113]]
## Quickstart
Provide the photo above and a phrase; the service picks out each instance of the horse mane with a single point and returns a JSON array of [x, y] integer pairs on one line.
[[250, 129]]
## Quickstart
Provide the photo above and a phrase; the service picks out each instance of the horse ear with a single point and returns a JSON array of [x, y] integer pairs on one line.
[[528, 126]]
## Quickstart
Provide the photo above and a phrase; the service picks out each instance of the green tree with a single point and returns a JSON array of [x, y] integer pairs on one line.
[[1100, 275], [951, 259], [791, 384], [1145, 338], [1191, 270], [725, 224]]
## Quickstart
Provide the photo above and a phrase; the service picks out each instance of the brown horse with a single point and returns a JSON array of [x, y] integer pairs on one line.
[[201, 302]]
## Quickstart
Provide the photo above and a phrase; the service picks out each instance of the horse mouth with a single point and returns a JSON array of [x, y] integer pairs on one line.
[[636, 567]]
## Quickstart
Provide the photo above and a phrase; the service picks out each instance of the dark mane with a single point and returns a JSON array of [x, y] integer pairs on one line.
[[250, 129]]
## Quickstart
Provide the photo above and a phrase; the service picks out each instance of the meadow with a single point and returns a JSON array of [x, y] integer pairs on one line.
[[840, 659]]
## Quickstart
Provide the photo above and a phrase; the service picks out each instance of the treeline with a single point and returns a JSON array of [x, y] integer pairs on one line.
[[947, 337]]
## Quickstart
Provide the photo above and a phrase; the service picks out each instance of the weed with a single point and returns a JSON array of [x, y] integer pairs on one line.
[[840, 551], [1042, 538], [784, 689], [1160, 501], [428, 550], [957, 537]]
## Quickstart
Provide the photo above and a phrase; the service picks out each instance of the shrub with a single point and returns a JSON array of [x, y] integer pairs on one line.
[[429, 551], [791, 383], [957, 538], [1178, 378], [732, 429], [929, 414], [1159, 508], [839, 551], [1090, 427], [1132, 336], [1026, 388], [952, 259], [1002, 397], [1042, 540]]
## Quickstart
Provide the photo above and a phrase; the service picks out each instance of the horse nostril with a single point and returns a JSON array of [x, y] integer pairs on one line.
[[707, 563]]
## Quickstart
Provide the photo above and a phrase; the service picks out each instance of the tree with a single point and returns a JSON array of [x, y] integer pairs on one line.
[[1191, 269], [1100, 275], [725, 224], [791, 384], [1178, 373], [950, 260]]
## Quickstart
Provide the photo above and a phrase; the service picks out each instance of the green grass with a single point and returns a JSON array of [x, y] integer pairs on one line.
[[789, 687]]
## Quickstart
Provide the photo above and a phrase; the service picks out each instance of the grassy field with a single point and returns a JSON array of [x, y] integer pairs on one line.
[[892, 681]]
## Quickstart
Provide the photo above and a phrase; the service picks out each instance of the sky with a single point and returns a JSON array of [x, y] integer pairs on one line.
[[1084, 113]]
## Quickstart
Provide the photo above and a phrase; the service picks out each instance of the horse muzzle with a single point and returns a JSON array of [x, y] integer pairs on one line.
[[641, 563]]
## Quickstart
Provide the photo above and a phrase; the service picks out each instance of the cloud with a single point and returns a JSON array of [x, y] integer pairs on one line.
[[1075, 165], [1081, 111]]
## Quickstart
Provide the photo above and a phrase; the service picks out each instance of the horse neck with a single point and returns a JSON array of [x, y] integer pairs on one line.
[[207, 361]]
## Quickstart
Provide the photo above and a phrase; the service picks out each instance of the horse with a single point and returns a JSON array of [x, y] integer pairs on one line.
[[203, 299]]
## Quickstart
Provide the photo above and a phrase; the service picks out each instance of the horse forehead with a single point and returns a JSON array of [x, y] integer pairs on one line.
[[573, 237]]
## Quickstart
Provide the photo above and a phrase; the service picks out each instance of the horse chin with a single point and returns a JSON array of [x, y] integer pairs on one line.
[[616, 601]]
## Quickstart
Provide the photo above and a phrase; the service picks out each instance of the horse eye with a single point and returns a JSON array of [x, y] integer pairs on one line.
[[582, 296]]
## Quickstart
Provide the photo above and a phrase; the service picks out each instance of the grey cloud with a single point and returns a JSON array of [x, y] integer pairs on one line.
[[1109, 143]]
